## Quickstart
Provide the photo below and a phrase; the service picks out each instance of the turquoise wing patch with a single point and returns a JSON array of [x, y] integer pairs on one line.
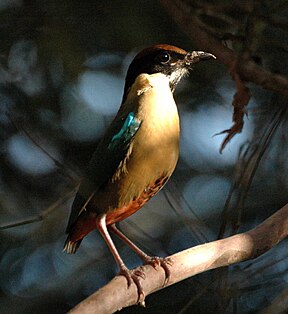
[[127, 132]]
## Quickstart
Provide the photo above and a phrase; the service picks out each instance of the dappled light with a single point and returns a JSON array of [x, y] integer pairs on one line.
[[62, 74]]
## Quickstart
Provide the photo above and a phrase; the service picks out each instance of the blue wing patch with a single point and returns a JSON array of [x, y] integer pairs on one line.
[[128, 130]]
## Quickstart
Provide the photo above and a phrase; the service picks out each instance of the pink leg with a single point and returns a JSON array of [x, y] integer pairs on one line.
[[155, 261], [131, 275]]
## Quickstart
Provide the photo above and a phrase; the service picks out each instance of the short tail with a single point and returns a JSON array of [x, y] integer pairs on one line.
[[71, 247]]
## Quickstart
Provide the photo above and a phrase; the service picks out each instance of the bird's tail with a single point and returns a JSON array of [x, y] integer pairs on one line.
[[71, 247]]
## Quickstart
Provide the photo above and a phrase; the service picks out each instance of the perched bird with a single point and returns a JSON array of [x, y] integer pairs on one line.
[[137, 154]]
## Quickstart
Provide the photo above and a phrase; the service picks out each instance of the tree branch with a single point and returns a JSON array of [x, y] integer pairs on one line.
[[247, 69], [241, 66], [115, 295]]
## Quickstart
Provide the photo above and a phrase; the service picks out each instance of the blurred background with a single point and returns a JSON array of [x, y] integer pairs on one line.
[[62, 71]]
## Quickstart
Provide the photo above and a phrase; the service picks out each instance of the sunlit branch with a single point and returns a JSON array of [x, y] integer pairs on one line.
[[115, 295]]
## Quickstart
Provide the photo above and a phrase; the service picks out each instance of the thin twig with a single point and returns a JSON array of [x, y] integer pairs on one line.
[[249, 167], [65, 170], [42, 215], [247, 70]]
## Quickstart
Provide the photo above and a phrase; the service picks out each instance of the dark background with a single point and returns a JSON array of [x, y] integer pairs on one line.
[[62, 71]]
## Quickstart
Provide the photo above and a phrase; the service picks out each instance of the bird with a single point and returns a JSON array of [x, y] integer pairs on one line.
[[136, 156]]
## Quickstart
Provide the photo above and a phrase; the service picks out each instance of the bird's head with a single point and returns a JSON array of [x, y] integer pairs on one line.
[[169, 60]]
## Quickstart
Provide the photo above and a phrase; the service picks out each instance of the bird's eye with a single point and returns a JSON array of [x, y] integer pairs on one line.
[[163, 57]]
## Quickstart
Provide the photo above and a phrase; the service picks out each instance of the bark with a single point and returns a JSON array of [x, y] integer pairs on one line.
[[248, 245]]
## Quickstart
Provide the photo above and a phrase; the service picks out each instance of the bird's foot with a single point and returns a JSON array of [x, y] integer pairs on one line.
[[134, 275], [157, 261]]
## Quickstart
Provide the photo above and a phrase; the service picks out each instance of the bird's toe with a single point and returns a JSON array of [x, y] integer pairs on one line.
[[156, 262], [135, 276]]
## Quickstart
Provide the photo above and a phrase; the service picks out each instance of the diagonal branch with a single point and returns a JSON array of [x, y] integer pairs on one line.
[[248, 69], [115, 295], [242, 68]]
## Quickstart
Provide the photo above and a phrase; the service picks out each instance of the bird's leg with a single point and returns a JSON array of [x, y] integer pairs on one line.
[[131, 275], [155, 261]]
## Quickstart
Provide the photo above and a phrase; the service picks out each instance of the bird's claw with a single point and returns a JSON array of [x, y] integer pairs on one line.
[[156, 262], [134, 276]]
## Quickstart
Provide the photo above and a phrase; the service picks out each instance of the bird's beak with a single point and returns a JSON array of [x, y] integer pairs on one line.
[[196, 56]]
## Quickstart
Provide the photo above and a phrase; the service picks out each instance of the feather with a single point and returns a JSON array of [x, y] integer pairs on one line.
[[127, 132], [108, 161]]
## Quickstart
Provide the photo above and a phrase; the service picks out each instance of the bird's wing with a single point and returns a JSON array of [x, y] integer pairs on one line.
[[111, 151]]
